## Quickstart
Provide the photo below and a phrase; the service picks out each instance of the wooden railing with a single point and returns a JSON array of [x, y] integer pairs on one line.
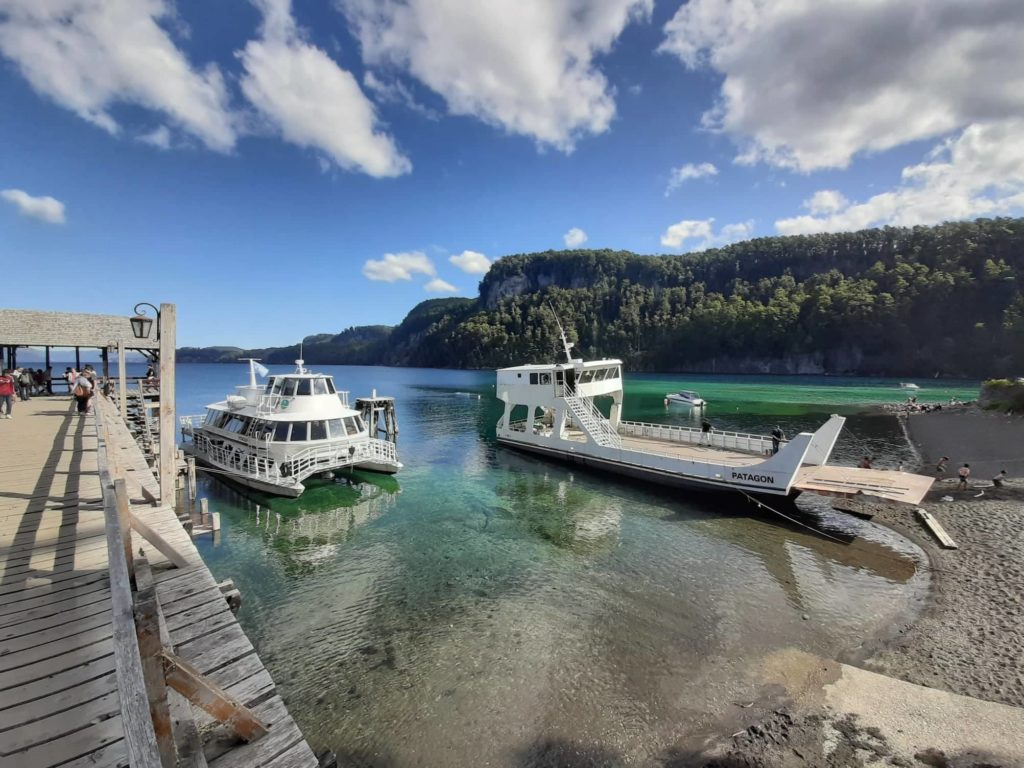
[[139, 734], [152, 680]]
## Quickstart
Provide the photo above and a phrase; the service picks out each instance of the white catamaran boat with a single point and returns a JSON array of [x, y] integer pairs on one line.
[[550, 410], [274, 437]]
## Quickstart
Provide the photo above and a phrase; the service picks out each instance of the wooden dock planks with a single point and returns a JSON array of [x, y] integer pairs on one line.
[[58, 695]]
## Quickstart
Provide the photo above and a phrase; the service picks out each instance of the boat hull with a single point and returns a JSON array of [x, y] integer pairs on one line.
[[288, 491], [384, 468], [637, 472]]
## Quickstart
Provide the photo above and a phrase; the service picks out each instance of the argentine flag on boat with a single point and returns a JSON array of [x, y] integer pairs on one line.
[[262, 370]]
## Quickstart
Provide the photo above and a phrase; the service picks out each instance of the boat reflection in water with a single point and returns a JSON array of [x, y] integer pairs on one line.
[[314, 528]]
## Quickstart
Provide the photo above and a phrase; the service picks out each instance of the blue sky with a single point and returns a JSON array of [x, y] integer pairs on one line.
[[256, 163]]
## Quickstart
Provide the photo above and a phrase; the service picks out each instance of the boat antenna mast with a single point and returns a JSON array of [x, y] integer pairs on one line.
[[566, 344], [300, 363], [254, 367]]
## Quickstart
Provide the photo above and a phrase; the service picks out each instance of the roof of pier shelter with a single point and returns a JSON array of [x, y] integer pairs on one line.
[[33, 328]]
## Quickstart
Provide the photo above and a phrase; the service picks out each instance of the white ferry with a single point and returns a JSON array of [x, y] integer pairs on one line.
[[274, 437], [550, 410]]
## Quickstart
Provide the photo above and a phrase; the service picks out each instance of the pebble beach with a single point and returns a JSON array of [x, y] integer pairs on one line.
[[968, 639]]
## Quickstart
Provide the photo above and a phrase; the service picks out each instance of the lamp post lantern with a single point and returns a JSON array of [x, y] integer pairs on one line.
[[142, 324]]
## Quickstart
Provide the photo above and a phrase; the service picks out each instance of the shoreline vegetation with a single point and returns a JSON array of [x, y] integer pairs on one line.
[[942, 301]]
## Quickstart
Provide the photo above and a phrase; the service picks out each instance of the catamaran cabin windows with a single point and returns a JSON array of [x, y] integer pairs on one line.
[[540, 378], [319, 386], [318, 430], [300, 432]]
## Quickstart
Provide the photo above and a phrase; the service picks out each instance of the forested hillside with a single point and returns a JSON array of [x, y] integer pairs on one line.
[[900, 301]]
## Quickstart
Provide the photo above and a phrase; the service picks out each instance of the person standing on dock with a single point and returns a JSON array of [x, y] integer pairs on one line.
[[705, 432], [777, 437], [965, 474], [6, 395], [24, 383]]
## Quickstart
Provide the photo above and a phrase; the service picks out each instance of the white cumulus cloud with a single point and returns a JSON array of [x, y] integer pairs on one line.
[[978, 173], [399, 266], [702, 230], [311, 101], [687, 172], [472, 262], [437, 285], [526, 66], [45, 208], [89, 55], [159, 137], [809, 84], [574, 238], [826, 201]]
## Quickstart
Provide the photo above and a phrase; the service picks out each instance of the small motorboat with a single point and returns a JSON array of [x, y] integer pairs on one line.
[[908, 385], [685, 397]]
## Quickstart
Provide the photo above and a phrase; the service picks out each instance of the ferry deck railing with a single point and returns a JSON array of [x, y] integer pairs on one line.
[[755, 445], [737, 441], [323, 457], [296, 467]]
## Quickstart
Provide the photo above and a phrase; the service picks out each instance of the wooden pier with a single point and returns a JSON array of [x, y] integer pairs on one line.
[[117, 646]]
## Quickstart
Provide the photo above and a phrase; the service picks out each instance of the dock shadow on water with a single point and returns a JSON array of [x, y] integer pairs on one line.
[[485, 608]]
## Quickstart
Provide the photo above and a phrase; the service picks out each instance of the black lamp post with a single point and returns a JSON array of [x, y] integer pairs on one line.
[[141, 324]]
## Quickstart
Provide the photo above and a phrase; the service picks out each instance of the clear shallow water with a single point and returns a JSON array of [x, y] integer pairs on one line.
[[483, 606]]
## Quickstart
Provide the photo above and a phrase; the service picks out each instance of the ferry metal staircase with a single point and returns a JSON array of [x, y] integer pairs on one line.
[[593, 421]]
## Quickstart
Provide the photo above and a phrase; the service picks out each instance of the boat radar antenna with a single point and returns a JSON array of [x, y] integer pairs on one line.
[[566, 344], [300, 362]]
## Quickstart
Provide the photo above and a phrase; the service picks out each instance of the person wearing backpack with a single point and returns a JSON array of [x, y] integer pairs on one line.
[[24, 379], [82, 393], [6, 394]]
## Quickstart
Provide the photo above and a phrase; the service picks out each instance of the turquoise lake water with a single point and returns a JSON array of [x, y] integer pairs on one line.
[[487, 608]]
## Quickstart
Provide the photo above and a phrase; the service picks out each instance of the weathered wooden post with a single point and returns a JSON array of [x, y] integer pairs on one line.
[[168, 449], [122, 395]]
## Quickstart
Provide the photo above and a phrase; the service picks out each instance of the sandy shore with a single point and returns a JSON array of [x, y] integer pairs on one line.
[[986, 440]]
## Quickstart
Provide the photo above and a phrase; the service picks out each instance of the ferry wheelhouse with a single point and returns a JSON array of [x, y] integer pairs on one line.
[[274, 437], [550, 410]]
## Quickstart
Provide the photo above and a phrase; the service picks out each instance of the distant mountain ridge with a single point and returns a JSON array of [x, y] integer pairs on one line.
[[893, 301]]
